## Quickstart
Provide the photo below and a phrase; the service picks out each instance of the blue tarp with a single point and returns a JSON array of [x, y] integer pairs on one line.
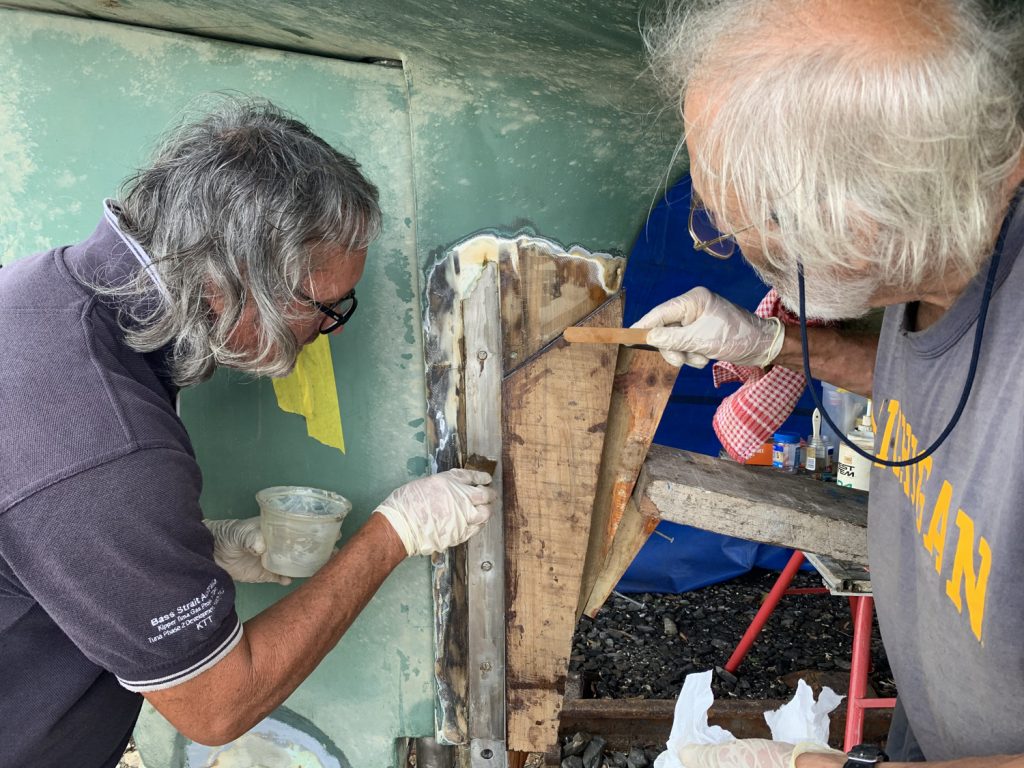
[[664, 264]]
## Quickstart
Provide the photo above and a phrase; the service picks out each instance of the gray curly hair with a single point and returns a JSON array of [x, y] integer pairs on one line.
[[898, 161], [234, 203]]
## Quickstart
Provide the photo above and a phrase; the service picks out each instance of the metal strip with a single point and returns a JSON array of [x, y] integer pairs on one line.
[[485, 565]]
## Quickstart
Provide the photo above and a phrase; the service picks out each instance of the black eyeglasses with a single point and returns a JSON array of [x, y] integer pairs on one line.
[[338, 313]]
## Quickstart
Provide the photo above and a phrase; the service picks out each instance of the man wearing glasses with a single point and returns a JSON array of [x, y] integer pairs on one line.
[[241, 242], [870, 153]]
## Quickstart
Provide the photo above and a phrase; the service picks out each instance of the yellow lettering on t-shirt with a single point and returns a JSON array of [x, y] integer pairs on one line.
[[963, 572], [924, 471], [890, 426], [964, 583], [909, 452], [935, 538]]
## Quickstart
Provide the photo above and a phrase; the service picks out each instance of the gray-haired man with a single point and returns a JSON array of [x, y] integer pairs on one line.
[[242, 242], [878, 143]]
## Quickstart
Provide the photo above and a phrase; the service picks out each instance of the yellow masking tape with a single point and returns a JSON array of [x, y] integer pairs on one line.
[[310, 391]]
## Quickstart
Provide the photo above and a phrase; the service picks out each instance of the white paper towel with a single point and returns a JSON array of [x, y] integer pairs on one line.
[[800, 719]]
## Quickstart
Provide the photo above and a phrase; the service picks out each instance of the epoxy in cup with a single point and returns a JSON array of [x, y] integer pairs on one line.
[[300, 526]]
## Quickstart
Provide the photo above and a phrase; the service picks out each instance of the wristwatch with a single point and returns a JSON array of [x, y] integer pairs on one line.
[[864, 756]]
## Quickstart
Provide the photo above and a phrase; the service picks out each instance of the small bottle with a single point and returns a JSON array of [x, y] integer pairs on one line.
[[854, 470], [817, 451], [785, 448]]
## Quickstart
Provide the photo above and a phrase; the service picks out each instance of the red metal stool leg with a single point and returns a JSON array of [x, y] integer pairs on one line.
[[860, 664], [772, 600]]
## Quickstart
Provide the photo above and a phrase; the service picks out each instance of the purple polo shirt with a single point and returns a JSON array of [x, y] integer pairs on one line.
[[108, 585]]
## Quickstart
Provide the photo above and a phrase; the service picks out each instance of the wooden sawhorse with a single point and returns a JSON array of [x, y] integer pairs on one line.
[[760, 504]]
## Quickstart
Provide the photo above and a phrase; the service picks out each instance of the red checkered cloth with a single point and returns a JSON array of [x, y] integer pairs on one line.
[[748, 418]]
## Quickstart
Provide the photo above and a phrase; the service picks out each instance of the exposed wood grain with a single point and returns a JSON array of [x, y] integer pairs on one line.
[[642, 386], [582, 335], [754, 503], [543, 292], [506, 298], [555, 407], [633, 532]]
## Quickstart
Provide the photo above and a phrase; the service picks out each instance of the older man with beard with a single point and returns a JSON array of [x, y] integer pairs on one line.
[[872, 149], [240, 243]]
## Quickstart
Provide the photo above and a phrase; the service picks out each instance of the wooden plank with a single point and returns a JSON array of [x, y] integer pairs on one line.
[[840, 577], [583, 335], [755, 503], [554, 412], [632, 534], [505, 298], [643, 383], [627, 723], [545, 289]]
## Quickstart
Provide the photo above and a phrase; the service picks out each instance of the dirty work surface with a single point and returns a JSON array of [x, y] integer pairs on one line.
[[644, 646], [631, 651], [646, 650]]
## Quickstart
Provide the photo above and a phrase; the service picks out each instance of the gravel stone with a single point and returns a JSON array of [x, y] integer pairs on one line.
[[575, 761], [620, 655], [593, 753], [575, 746], [636, 758]]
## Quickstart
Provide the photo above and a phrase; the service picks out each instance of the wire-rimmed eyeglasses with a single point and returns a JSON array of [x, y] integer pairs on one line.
[[706, 235]]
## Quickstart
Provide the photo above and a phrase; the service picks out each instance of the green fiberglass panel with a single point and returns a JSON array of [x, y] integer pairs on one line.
[[81, 103]]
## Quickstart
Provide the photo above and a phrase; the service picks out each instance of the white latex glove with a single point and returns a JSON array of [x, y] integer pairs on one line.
[[237, 546], [700, 326], [749, 753], [434, 513]]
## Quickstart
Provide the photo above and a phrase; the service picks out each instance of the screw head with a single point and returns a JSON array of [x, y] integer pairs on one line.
[[485, 666], [481, 355], [486, 565], [486, 754]]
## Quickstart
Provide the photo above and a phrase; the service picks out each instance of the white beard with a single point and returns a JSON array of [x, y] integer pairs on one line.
[[827, 296]]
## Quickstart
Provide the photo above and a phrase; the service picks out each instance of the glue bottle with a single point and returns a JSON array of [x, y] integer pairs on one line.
[[817, 452], [854, 470]]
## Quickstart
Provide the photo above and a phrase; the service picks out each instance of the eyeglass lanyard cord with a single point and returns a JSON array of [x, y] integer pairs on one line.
[[971, 371], [137, 250]]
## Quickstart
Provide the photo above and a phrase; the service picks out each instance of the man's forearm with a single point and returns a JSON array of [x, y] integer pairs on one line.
[[843, 358], [284, 643]]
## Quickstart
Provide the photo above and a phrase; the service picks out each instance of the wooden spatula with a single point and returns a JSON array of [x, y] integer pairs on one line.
[[630, 337]]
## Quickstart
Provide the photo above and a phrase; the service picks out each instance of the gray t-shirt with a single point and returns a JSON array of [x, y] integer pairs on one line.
[[108, 585], [946, 537]]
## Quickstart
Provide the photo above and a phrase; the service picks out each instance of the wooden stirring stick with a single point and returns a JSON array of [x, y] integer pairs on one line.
[[585, 335]]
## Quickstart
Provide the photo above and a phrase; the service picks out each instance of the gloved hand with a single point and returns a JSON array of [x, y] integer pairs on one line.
[[434, 513], [750, 753], [237, 546], [700, 326]]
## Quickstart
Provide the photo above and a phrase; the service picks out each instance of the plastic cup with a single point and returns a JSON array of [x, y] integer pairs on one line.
[[300, 526]]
